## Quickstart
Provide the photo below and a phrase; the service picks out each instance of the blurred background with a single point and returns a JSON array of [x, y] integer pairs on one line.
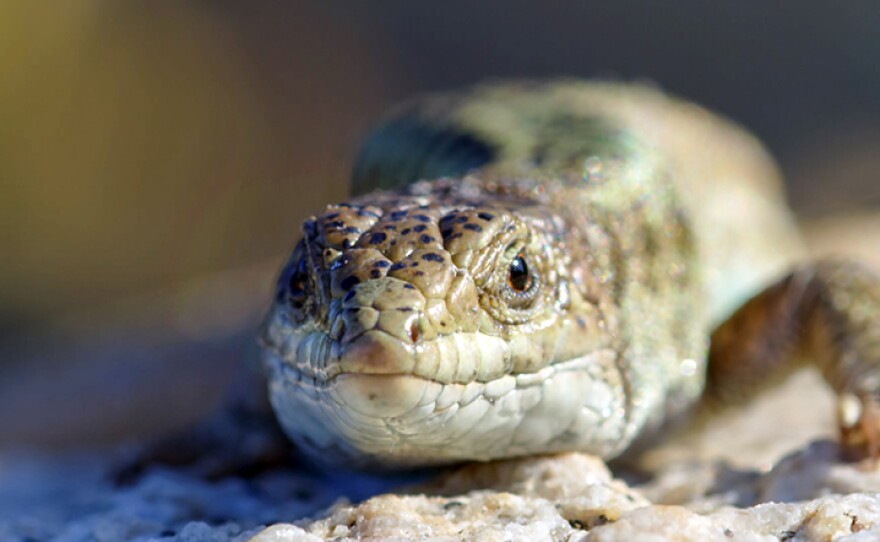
[[157, 158]]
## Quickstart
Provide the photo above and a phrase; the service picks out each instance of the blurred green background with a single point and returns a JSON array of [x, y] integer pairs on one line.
[[156, 158]]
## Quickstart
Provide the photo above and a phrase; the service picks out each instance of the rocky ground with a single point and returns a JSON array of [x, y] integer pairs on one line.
[[574, 497], [722, 484], [732, 481]]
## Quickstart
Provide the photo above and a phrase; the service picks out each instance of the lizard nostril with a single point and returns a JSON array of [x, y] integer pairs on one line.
[[414, 332]]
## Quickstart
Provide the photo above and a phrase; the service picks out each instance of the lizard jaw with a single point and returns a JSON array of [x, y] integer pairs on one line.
[[403, 419]]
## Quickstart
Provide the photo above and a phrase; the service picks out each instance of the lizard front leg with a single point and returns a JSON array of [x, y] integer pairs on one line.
[[825, 313]]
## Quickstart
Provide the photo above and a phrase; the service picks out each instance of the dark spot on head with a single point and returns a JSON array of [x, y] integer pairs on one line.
[[349, 282], [398, 266], [431, 257], [391, 227], [414, 264], [351, 229], [455, 235], [344, 205], [349, 296], [420, 228], [365, 212], [375, 273], [377, 238], [473, 227], [335, 224], [397, 215], [409, 286], [382, 264], [420, 273], [332, 216], [422, 218], [425, 239], [486, 216], [346, 243], [352, 309], [461, 219], [405, 231], [404, 309], [446, 233]]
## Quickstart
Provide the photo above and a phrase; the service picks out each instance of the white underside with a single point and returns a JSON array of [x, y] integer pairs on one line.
[[401, 420]]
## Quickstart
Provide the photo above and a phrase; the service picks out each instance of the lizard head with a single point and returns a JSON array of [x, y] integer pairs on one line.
[[439, 323]]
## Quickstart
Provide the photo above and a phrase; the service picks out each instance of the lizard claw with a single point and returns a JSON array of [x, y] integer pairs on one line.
[[859, 422]]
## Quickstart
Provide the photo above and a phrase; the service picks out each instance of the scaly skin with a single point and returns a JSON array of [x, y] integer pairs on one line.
[[543, 273]]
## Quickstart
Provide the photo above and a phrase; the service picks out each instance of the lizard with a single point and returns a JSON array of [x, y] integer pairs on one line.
[[535, 267]]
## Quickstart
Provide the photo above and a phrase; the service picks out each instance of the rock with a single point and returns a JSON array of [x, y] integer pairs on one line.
[[829, 518], [285, 532], [724, 483], [733, 481], [550, 498], [573, 497]]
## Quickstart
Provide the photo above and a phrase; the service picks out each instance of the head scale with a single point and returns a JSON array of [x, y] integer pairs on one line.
[[403, 319]]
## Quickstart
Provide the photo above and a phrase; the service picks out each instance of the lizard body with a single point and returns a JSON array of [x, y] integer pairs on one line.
[[538, 267]]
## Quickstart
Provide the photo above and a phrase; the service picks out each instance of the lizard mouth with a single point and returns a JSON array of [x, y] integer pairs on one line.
[[377, 402], [458, 358]]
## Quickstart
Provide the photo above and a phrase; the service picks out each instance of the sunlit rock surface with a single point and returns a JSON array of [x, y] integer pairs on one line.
[[754, 476], [573, 497]]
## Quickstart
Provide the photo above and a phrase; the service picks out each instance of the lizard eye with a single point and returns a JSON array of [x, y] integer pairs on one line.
[[294, 280], [516, 285], [519, 277], [521, 287], [299, 280]]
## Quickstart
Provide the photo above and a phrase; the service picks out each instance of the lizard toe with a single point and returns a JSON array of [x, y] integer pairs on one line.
[[859, 425]]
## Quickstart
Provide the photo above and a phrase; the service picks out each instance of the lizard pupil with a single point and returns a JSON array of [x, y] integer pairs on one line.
[[519, 278]]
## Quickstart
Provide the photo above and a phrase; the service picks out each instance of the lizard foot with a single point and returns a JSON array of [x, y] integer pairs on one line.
[[859, 422]]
